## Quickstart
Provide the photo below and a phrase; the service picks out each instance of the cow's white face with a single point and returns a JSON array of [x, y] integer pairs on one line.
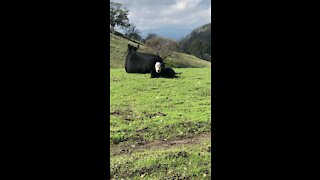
[[158, 67]]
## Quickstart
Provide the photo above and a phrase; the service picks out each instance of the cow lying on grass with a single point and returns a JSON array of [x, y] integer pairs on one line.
[[163, 72], [137, 62]]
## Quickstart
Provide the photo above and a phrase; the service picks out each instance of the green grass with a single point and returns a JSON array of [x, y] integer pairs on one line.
[[182, 60], [148, 110], [189, 162], [118, 52], [159, 128]]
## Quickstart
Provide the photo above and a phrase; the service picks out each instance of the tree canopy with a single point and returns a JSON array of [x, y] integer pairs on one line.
[[133, 32], [118, 16]]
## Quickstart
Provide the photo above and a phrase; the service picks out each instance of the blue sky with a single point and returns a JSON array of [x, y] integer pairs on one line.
[[169, 18]]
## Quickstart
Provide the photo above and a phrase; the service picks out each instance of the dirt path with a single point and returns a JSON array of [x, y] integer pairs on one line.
[[129, 148]]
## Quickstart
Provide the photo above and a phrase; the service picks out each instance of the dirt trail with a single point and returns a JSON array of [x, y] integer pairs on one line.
[[129, 148]]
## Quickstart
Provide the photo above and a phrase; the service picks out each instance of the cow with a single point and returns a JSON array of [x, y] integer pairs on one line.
[[137, 62], [163, 72]]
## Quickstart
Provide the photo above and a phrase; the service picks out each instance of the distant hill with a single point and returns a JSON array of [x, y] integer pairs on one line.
[[198, 42], [118, 52]]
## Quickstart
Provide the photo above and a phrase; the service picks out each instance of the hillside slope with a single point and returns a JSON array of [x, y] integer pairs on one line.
[[118, 52], [198, 42]]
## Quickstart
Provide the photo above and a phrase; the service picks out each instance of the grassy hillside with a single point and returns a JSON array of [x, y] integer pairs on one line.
[[118, 52], [198, 42], [160, 128]]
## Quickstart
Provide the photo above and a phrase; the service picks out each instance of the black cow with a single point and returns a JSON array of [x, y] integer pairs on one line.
[[137, 62], [165, 73]]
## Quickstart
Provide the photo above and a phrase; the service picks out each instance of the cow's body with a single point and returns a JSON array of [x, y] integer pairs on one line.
[[137, 62], [165, 73]]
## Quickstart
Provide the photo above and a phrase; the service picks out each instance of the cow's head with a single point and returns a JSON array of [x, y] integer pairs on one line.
[[158, 66]]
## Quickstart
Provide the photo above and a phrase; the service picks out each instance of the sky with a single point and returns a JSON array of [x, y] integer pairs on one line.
[[169, 18]]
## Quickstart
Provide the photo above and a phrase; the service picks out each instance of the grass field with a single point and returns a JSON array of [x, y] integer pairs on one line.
[[160, 128]]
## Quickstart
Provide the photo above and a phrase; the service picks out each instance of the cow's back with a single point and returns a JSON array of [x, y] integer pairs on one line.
[[137, 62]]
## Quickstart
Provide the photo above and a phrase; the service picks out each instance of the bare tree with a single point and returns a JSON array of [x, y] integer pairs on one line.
[[133, 32], [150, 35], [161, 46]]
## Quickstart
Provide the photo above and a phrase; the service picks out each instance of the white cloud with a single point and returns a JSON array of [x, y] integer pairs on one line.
[[152, 14], [181, 5]]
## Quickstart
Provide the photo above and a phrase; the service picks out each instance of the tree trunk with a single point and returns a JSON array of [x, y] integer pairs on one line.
[[112, 29]]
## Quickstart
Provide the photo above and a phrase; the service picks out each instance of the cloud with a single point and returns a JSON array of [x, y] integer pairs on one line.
[[180, 7], [150, 14]]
